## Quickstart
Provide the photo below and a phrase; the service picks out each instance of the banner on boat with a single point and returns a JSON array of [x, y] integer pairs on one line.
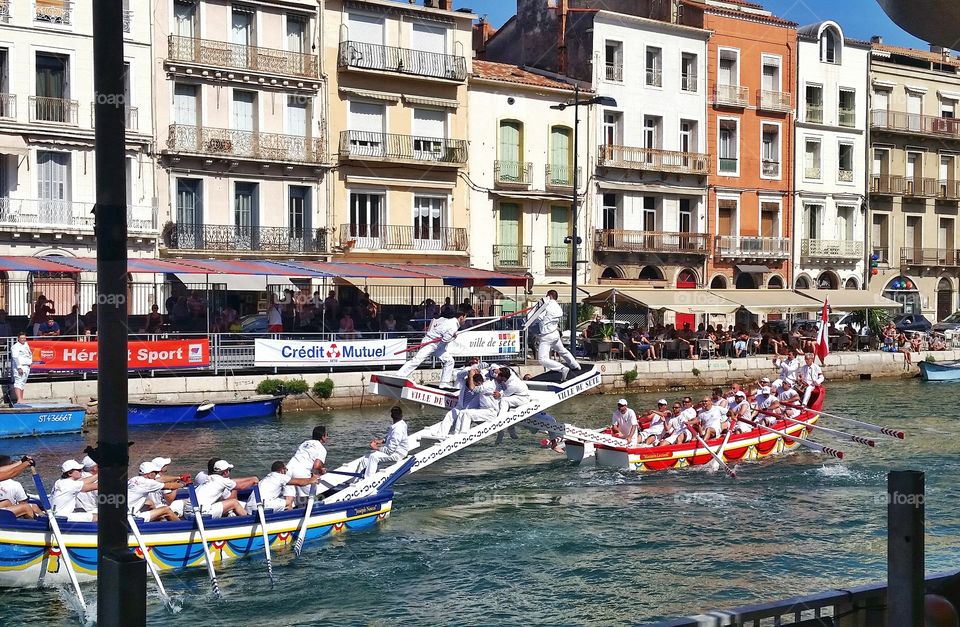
[[297, 353], [485, 344], [156, 355]]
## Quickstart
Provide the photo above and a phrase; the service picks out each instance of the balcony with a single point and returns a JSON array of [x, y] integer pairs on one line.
[[619, 240], [512, 174], [834, 250], [130, 117], [654, 160], [654, 78], [50, 215], [8, 106], [224, 142], [915, 124], [557, 258], [770, 169], [848, 117], [52, 11], [560, 177], [813, 114], [54, 110], [933, 257], [812, 172], [886, 185], [222, 54], [780, 101], [433, 151], [734, 247], [948, 190], [233, 239], [731, 96], [402, 237], [688, 82], [4, 11], [882, 253], [511, 257], [376, 57], [920, 187], [614, 72], [845, 176]]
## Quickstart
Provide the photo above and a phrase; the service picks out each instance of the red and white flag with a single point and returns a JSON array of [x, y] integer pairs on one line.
[[823, 346]]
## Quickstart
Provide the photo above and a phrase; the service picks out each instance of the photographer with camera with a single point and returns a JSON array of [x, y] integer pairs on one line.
[[42, 310]]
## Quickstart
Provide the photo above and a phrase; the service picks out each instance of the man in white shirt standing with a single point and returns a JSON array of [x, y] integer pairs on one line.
[[442, 331], [310, 459], [789, 366], [63, 499], [215, 497], [142, 487], [21, 358], [810, 375], [624, 423], [393, 446], [13, 498], [278, 490], [549, 315]]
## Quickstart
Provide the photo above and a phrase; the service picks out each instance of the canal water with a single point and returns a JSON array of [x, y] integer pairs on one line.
[[514, 533]]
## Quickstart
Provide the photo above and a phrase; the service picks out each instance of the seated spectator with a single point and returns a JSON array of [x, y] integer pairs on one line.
[[72, 324], [347, 329], [154, 321], [50, 328]]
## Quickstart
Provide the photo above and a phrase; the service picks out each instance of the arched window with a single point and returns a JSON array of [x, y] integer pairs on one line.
[[944, 299], [719, 282], [803, 283], [611, 273], [852, 284], [829, 46], [745, 281], [828, 281], [904, 291], [775, 283], [650, 273], [510, 167], [687, 279]]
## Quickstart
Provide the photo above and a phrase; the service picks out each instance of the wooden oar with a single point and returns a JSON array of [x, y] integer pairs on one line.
[[713, 454], [58, 536], [263, 532], [843, 434], [302, 533], [488, 322], [198, 520], [132, 521], [826, 450], [893, 433]]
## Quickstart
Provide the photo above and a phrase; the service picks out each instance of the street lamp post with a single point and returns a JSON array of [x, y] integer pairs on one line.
[[575, 240]]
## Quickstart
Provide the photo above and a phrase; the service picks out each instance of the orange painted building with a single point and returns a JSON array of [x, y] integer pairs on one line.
[[752, 69]]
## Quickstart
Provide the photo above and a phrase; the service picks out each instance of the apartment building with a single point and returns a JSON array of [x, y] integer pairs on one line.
[[241, 128], [830, 156], [398, 118], [521, 170], [47, 189], [914, 189]]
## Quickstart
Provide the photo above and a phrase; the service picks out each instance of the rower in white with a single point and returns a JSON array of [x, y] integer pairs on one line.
[[310, 459], [217, 497], [711, 418], [88, 500], [624, 423], [549, 314], [393, 446], [13, 497], [168, 496], [765, 400], [142, 487], [442, 331], [787, 398], [63, 499], [741, 409], [657, 424], [278, 490], [810, 375]]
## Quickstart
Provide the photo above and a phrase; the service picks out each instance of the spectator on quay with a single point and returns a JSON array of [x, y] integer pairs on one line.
[[937, 342], [42, 309], [154, 321], [645, 346], [430, 311], [274, 316], [686, 339], [905, 345], [218, 325], [5, 329], [169, 304], [288, 312], [389, 325], [626, 340], [447, 307], [72, 324], [50, 328], [371, 310], [180, 315], [467, 307], [331, 307], [229, 315], [347, 330], [890, 337]]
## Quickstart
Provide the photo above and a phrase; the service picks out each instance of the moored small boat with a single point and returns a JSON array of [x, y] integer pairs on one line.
[[162, 412], [939, 370], [24, 420]]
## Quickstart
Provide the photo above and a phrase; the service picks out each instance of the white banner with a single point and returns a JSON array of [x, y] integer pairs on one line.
[[299, 353], [485, 344]]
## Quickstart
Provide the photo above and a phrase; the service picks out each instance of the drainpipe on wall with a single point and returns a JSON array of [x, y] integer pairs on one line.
[[325, 125], [867, 162], [791, 197]]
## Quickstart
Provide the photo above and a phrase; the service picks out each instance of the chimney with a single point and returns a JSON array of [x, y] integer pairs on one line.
[[482, 32], [876, 39], [446, 5]]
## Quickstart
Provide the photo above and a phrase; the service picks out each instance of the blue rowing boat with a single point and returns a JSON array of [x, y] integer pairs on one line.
[[24, 420], [166, 413], [940, 370]]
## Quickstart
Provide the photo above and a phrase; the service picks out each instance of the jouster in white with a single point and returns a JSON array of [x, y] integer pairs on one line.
[[442, 331], [811, 375], [549, 316], [392, 448], [21, 358], [483, 404], [310, 459]]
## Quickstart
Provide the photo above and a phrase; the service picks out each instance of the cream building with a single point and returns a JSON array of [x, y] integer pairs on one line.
[[398, 119]]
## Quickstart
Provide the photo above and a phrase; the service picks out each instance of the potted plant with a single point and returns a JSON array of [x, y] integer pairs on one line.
[[604, 337]]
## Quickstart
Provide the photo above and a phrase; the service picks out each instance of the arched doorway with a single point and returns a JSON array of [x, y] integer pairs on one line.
[[745, 281], [802, 283], [650, 273], [719, 282], [686, 280], [852, 284], [904, 291], [611, 273], [828, 281], [775, 283], [944, 299]]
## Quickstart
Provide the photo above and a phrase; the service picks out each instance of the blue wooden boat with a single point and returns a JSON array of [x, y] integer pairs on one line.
[[23, 420], [165, 413], [940, 370]]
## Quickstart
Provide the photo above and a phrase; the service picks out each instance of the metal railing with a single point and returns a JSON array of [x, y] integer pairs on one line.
[[402, 237], [847, 117], [614, 72], [882, 253], [389, 146], [241, 57], [232, 238], [53, 11], [813, 113], [919, 186], [4, 11], [774, 100], [901, 121], [688, 82], [831, 249], [746, 247], [770, 168], [731, 95], [632, 157], [845, 176], [8, 106], [366, 56], [557, 258], [560, 177], [811, 172], [58, 110], [933, 257], [654, 77], [728, 165], [948, 190], [886, 184], [510, 256], [52, 214], [227, 142], [621, 240], [512, 173], [130, 117]]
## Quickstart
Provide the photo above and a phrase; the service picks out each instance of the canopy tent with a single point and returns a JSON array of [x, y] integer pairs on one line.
[[459, 276], [679, 301], [771, 301], [852, 300], [248, 267], [583, 291], [355, 270], [147, 266], [35, 264]]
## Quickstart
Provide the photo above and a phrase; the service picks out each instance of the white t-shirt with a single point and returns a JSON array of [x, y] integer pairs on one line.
[[11, 490], [624, 421], [271, 487], [307, 453], [274, 317], [395, 442], [21, 355], [483, 396], [656, 426], [764, 401], [215, 489], [711, 418], [87, 501], [790, 397], [63, 499], [442, 329], [200, 479], [139, 488]]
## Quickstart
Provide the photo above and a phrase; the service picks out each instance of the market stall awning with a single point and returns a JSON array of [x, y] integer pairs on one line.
[[355, 270], [13, 145], [852, 300], [563, 291], [459, 276], [771, 301], [252, 267], [35, 264], [752, 269], [234, 282], [678, 301]]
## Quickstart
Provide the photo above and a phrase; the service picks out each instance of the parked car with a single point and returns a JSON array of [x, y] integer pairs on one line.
[[912, 322], [949, 325]]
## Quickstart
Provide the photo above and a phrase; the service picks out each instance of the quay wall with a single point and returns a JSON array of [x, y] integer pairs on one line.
[[350, 387]]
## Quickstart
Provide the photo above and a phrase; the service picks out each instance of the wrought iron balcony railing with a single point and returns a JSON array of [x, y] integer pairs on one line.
[[53, 214], [746, 247], [512, 173], [620, 240], [241, 57], [226, 142], [232, 238], [560, 177], [127, 20], [812, 172], [770, 168], [511, 256], [130, 117], [882, 253], [402, 237], [845, 176], [388, 146], [557, 258], [8, 106], [4, 11], [831, 249], [52, 11], [848, 117], [365, 56], [933, 257], [56, 110], [654, 77], [886, 185], [614, 72], [688, 82], [774, 101], [731, 95], [653, 159]]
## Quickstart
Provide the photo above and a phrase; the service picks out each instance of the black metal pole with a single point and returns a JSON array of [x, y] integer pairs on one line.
[[905, 548], [574, 239], [121, 576]]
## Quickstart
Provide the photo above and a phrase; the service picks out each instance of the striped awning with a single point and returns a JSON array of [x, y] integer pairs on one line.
[[460, 276], [35, 264]]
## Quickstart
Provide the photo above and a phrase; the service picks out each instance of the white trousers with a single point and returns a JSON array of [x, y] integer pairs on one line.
[[446, 375], [442, 429], [20, 380], [373, 459], [465, 417], [551, 342], [807, 393]]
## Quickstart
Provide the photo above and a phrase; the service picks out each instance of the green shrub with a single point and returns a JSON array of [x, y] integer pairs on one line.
[[277, 387], [930, 358], [696, 372], [323, 389], [630, 376]]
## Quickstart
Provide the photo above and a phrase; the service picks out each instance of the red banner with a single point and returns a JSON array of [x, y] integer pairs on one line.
[[158, 355]]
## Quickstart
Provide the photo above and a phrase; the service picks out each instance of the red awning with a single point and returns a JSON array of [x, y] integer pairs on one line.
[[35, 264], [252, 267], [460, 276]]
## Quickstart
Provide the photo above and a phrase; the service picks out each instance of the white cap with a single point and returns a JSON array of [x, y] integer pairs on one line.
[[765, 380], [622, 401], [222, 465], [740, 394], [160, 462], [146, 467], [786, 382], [662, 401], [765, 389], [71, 464], [777, 383], [88, 463]]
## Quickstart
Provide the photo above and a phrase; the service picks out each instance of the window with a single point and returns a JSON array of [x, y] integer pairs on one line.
[[612, 128], [511, 152], [811, 165], [847, 107], [53, 187], [845, 224], [829, 47], [948, 108], [685, 222], [769, 219], [246, 214], [729, 146], [845, 163], [688, 71], [688, 136], [611, 204], [559, 226], [614, 60], [509, 250], [299, 214], [812, 221], [429, 40], [366, 128], [244, 110], [814, 98], [365, 215], [770, 83], [652, 132], [51, 104], [654, 66], [184, 18], [914, 178], [947, 182], [189, 213], [727, 216], [185, 110], [770, 151], [428, 218], [561, 156], [880, 236], [914, 110], [729, 73], [429, 131], [649, 216], [297, 115], [242, 19], [913, 236], [297, 34]]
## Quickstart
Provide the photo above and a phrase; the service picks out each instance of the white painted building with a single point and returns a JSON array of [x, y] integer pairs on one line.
[[830, 173], [649, 192]]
